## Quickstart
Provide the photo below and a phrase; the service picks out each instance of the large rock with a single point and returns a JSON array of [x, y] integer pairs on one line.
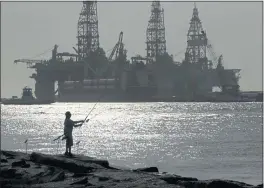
[[19, 163], [25, 166], [3, 158], [77, 175], [87, 159], [227, 184], [188, 183], [64, 163], [174, 179], [148, 169], [4, 161], [103, 178], [7, 173], [8, 153], [193, 184], [58, 177], [81, 181], [15, 154]]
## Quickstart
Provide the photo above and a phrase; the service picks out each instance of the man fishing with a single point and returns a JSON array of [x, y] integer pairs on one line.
[[68, 127]]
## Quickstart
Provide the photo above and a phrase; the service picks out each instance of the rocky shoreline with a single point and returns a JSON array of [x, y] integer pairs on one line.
[[40, 170]]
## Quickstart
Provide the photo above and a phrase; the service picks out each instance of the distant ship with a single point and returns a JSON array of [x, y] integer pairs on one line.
[[26, 99]]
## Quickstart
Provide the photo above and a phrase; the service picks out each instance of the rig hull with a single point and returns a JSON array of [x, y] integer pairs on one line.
[[103, 92], [124, 99]]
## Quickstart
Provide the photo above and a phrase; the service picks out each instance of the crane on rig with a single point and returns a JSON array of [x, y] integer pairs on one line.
[[118, 50], [31, 62], [211, 51]]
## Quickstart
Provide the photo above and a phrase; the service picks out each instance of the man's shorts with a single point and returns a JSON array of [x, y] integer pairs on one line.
[[69, 140]]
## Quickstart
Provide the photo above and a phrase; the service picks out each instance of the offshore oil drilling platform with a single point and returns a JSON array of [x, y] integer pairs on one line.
[[88, 74]]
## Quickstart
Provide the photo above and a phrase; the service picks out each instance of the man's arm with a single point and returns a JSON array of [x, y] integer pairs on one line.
[[78, 123], [81, 121]]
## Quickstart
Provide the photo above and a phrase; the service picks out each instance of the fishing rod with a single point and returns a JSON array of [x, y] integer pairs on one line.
[[85, 120], [90, 112]]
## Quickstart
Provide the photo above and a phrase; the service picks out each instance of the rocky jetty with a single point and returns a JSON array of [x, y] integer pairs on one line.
[[39, 170]]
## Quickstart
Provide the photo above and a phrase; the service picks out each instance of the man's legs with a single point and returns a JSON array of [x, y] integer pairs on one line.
[[67, 146], [70, 144]]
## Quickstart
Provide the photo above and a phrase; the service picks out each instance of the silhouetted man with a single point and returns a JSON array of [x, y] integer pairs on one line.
[[68, 127]]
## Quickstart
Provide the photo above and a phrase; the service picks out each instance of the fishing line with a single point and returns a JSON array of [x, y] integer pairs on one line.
[[96, 115], [58, 142], [78, 147], [99, 99]]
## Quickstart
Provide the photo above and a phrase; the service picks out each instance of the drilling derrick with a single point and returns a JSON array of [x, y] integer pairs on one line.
[[196, 40], [156, 43], [88, 36]]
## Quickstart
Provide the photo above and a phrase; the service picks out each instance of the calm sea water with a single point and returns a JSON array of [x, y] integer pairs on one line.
[[203, 140]]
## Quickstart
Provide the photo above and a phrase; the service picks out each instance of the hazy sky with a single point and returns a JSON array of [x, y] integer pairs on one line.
[[31, 28]]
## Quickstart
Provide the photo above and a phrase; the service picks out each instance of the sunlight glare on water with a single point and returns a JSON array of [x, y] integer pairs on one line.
[[203, 140]]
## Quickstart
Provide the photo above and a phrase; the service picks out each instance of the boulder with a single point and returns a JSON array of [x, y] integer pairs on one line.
[[8, 153], [81, 181], [174, 179], [25, 165], [8, 173], [76, 175], [18, 163], [63, 163], [227, 184], [103, 178], [213, 184], [58, 177], [86, 159], [193, 184], [4, 161], [148, 169]]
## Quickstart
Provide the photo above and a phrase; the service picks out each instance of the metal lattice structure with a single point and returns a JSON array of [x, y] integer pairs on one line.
[[156, 43], [196, 39], [88, 36]]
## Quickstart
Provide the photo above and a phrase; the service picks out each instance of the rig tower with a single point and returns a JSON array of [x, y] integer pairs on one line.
[[88, 35], [196, 40], [156, 43]]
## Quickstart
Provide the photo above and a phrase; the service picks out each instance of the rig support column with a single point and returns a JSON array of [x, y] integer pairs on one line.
[[44, 90]]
